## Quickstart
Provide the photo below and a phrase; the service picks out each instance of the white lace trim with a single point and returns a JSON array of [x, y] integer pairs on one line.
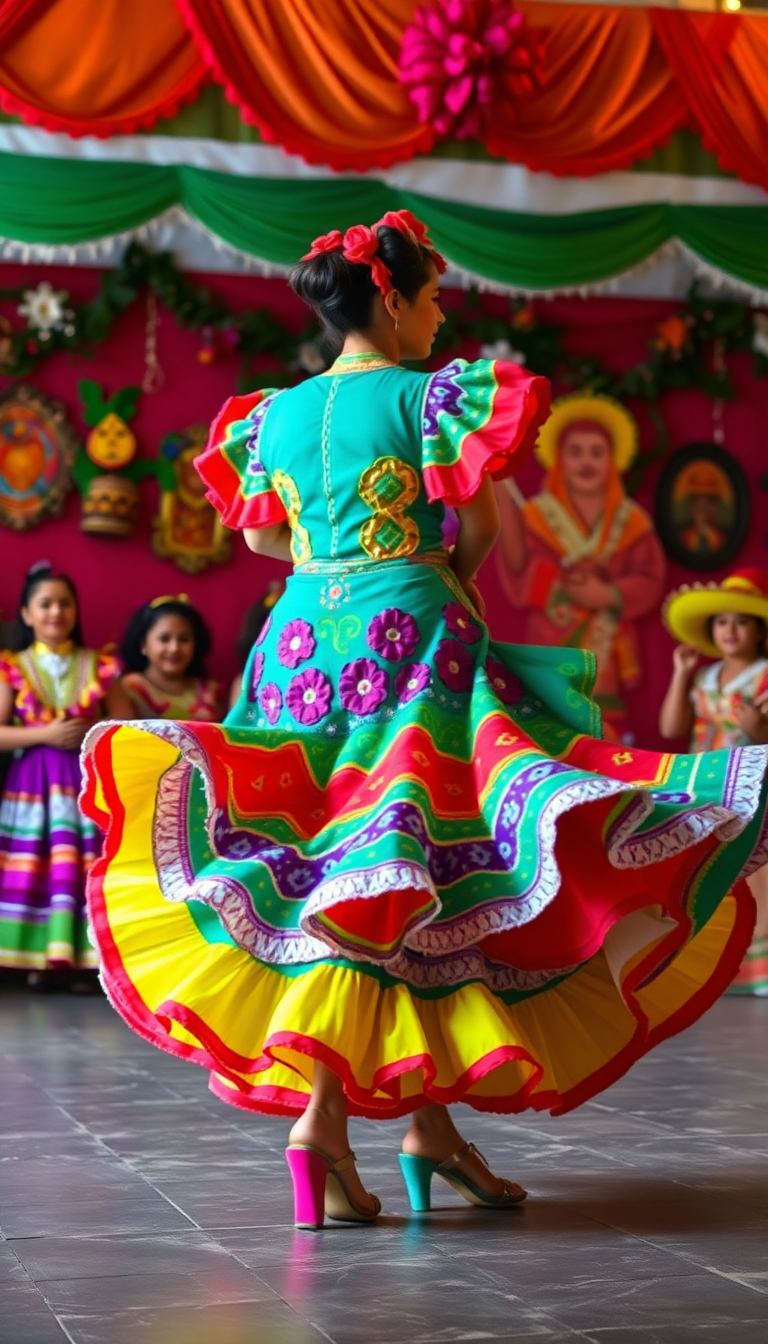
[[431, 956]]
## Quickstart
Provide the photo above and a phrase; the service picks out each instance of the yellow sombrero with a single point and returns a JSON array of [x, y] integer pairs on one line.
[[614, 418], [688, 610]]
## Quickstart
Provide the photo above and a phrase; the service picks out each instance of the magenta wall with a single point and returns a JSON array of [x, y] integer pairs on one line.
[[116, 575]]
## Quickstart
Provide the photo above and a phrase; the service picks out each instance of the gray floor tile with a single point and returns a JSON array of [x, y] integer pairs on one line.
[[139, 1210], [227, 1323], [91, 1257]]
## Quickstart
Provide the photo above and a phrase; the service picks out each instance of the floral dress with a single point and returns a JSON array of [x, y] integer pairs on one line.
[[406, 852], [46, 845], [715, 727], [199, 703]]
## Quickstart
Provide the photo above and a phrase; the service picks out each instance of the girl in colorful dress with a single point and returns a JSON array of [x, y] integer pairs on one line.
[[51, 692], [719, 705], [406, 871], [164, 651]]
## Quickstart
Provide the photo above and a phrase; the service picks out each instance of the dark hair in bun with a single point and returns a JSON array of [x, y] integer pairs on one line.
[[43, 572], [342, 292]]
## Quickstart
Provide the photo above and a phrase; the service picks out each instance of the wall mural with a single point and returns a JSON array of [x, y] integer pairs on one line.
[[581, 558], [37, 454], [187, 528]]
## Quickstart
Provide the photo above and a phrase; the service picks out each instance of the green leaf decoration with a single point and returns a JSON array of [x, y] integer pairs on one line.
[[125, 403], [84, 471], [94, 405]]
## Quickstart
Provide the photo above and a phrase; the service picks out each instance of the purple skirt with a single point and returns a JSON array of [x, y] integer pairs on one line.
[[46, 849]]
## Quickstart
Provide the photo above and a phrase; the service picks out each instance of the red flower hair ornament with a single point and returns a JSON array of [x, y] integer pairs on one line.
[[360, 245], [406, 222]]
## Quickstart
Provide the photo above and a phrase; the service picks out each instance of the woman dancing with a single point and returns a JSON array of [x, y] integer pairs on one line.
[[406, 871]]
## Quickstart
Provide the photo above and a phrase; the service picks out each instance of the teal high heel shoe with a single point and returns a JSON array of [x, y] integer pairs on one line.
[[418, 1173]]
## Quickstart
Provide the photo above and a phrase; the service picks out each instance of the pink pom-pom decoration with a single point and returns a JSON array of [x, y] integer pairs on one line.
[[461, 57]]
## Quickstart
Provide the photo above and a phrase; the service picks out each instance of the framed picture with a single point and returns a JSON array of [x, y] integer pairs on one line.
[[37, 450], [187, 529], [702, 507]]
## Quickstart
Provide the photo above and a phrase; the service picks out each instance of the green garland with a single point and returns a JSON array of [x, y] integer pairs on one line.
[[688, 350], [255, 334]]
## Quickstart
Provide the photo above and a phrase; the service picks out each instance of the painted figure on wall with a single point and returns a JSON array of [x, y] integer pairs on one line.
[[187, 529], [581, 558]]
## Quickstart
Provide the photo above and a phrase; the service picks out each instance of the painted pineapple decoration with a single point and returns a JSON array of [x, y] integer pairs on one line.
[[110, 495], [111, 444]]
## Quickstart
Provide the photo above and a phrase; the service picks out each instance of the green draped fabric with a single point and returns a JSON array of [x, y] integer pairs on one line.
[[70, 201]]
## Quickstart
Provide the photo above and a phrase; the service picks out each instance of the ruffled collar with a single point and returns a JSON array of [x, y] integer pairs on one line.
[[41, 650]]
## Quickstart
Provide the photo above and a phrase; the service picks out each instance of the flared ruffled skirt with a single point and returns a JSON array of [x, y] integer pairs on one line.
[[407, 855]]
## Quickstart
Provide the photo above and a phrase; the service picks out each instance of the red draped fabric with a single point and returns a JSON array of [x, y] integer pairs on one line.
[[321, 78], [318, 77], [720, 62], [609, 97]]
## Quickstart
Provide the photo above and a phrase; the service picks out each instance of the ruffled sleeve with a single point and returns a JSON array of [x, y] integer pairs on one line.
[[108, 668], [237, 483], [478, 419], [10, 672]]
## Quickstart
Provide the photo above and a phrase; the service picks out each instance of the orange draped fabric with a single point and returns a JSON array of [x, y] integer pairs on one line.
[[609, 97], [720, 62], [102, 68], [320, 77]]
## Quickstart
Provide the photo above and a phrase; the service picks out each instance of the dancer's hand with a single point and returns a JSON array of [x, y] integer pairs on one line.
[[475, 596]]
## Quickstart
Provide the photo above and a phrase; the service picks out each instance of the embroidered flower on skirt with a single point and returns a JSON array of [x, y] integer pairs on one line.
[[507, 686], [334, 593], [455, 664], [393, 634], [271, 701], [363, 685], [411, 679], [460, 623], [256, 670], [264, 631], [309, 696], [296, 643]]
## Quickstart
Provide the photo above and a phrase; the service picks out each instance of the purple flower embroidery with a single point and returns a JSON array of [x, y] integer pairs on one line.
[[411, 679], [443, 394], [296, 643], [454, 664], [256, 418], [509, 688], [393, 634], [362, 686], [460, 623], [271, 701], [264, 631], [257, 668], [309, 696]]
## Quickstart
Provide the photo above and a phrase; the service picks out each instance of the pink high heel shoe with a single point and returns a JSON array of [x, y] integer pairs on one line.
[[319, 1190]]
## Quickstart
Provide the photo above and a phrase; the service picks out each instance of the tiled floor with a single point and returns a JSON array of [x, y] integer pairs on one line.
[[136, 1209]]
